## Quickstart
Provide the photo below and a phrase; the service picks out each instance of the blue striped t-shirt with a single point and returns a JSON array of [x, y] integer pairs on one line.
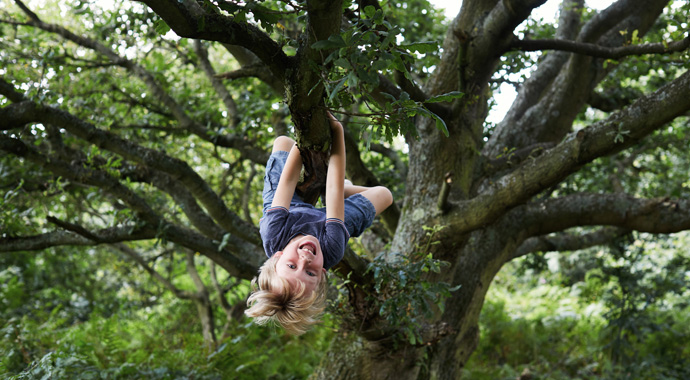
[[279, 226]]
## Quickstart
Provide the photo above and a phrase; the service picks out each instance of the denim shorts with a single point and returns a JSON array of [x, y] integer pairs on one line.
[[359, 211]]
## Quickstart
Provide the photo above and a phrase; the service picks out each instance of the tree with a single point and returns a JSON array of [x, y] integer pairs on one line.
[[98, 118]]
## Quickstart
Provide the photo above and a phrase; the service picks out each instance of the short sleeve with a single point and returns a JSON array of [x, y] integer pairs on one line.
[[271, 227], [335, 240]]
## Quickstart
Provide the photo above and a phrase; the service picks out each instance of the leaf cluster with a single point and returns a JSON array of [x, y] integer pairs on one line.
[[360, 54], [602, 313], [407, 291]]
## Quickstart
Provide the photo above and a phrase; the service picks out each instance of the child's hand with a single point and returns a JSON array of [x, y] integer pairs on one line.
[[335, 124]]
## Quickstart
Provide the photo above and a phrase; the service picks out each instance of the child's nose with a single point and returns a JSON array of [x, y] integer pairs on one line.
[[306, 257]]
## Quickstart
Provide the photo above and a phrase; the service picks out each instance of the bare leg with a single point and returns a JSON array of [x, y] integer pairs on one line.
[[283, 143], [379, 196], [351, 189]]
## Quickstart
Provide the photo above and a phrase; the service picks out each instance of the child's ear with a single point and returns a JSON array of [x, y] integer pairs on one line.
[[324, 270], [278, 254]]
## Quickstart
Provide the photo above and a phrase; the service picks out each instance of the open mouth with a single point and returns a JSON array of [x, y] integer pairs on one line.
[[309, 247]]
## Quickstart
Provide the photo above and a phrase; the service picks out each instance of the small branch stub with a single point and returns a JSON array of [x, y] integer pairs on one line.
[[443, 204]]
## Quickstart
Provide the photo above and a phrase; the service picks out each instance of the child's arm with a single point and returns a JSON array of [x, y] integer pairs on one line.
[[288, 179], [335, 179]]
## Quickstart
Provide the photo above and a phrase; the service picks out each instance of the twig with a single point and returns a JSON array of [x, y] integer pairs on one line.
[[443, 204]]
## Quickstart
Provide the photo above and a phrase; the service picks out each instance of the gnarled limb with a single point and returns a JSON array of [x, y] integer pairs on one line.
[[361, 175], [177, 234], [222, 91], [200, 298], [61, 237], [550, 116], [612, 135], [178, 111], [152, 158], [600, 51], [660, 215], [204, 307], [532, 91], [248, 60], [188, 19], [569, 242]]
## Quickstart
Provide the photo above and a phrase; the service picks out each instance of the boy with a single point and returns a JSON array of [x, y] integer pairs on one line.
[[301, 241]]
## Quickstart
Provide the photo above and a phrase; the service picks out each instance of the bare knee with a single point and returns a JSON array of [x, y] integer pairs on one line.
[[380, 197], [386, 196], [283, 143]]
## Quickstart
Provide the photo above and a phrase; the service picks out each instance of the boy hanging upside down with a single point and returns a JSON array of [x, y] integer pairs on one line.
[[302, 241]]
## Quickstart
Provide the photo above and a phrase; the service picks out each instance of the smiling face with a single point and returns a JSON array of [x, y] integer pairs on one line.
[[301, 260]]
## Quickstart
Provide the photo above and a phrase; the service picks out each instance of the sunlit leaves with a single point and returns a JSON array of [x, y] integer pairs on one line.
[[359, 56]]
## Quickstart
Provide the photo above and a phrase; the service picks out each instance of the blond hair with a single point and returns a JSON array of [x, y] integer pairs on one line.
[[274, 301]]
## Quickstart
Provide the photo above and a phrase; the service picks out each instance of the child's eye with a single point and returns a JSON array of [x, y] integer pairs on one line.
[[292, 266], [312, 274]]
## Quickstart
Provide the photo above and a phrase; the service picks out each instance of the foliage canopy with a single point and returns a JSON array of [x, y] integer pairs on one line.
[[133, 138]]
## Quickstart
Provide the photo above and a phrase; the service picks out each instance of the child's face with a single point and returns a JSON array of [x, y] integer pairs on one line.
[[302, 260]]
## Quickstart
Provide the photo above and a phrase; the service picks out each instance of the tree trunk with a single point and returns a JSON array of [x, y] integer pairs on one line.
[[352, 357]]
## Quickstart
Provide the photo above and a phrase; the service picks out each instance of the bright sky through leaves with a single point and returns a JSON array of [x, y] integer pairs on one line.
[[548, 12]]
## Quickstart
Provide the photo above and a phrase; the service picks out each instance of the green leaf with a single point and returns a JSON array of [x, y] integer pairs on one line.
[[265, 14], [447, 97], [440, 124], [369, 11], [421, 47], [333, 42], [342, 62], [229, 7], [378, 17], [161, 27], [241, 16], [337, 88]]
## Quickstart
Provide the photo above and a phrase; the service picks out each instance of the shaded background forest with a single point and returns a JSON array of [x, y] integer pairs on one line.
[[116, 311]]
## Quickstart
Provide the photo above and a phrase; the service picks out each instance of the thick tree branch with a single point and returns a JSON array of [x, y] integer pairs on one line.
[[661, 215], [359, 174], [202, 300], [604, 21], [196, 215], [392, 155], [513, 159], [178, 169], [15, 115], [252, 71], [556, 97], [172, 232], [189, 20], [619, 131], [600, 51], [498, 27], [248, 59], [222, 91], [8, 90], [180, 114], [569, 241], [305, 92], [532, 91], [134, 256], [67, 237]]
